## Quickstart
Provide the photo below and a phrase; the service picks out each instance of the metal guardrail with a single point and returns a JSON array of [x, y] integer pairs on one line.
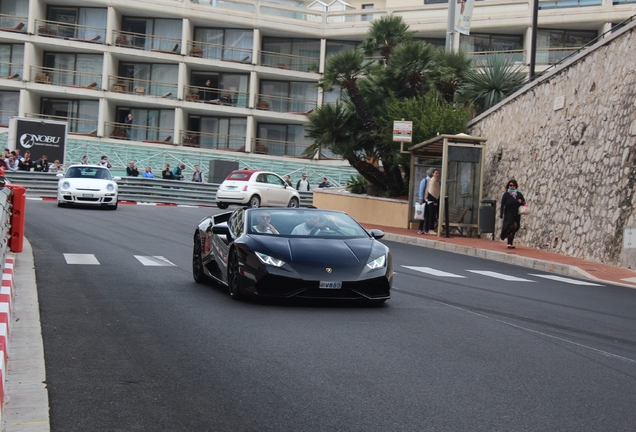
[[5, 225], [137, 189]]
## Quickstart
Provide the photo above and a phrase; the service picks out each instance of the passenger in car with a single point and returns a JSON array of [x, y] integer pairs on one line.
[[263, 224]]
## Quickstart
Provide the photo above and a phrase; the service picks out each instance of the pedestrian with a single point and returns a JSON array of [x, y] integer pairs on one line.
[[42, 164], [56, 167], [85, 160], [25, 164], [197, 175], [131, 169], [128, 121], [178, 172], [148, 173], [421, 200], [325, 183], [288, 180], [205, 95], [167, 174], [511, 200], [11, 163], [432, 201], [303, 184], [104, 162]]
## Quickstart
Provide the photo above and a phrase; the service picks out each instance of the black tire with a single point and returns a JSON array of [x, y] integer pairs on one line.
[[113, 207], [294, 203], [254, 202], [222, 205], [233, 276], [197, 261], [61, 204]]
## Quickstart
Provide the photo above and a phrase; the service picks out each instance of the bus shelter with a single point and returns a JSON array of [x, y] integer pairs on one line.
[[460, 159]]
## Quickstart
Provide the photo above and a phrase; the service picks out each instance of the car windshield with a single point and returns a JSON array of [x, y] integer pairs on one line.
[[89, 173], [303, 223]]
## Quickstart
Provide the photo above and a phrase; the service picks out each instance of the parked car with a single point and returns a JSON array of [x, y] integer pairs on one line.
[[87, 185], [300, 253], [256, 188]]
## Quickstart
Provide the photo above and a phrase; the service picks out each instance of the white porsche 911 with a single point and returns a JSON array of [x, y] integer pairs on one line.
[[90, 185]]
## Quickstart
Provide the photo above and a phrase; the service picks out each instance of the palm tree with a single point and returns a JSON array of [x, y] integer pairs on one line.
[[487, 86], [384, 35], [411, 67], [449, 72]]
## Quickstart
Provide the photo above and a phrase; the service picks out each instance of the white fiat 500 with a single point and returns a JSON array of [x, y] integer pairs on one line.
[[256, 188], [87, 185]]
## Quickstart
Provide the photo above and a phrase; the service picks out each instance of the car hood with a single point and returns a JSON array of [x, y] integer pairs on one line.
[[306, 251]]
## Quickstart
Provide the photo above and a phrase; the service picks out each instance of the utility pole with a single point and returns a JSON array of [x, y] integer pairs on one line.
[[450, 27], [533, 41]]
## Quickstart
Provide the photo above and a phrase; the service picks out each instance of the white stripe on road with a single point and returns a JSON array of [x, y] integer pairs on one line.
[[434, 272], [500, 276], [153, 261], [566, 280], [86, 259]]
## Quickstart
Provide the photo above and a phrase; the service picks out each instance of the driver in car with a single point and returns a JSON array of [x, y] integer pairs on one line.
[[264, 226], [310, 227]]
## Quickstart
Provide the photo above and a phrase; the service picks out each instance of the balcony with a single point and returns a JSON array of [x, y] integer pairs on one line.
[[75, 125], [285, 104], [74, 32], [550, 56], [10, 71], [481, 57], [215, 96], [12, 23], [278, 148], [6, 114], [61, 77], [568, 4], [209, 140], [288, 61], [141, 87], [212, 51], [147, 42], [135, 132]]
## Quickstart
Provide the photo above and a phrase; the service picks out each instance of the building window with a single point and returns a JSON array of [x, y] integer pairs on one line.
[[81, 114], [74, 69], [225, 133], [9, 103], [554, 45], [335, 46], [568, 4], [11, 59], [78, 23], [221, 84], [281, 140], [294, 54], [483, 46], [155, 125], [157, 79], [225, 44], [153, 34], [367, 17], [295, 97]]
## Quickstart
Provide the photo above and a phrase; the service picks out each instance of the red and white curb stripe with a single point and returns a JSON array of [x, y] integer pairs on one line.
[[6, 297]]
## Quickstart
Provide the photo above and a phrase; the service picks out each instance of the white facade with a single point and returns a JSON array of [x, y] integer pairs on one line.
[[96, 62]]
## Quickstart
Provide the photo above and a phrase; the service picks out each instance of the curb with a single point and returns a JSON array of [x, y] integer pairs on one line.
[[6, 299]]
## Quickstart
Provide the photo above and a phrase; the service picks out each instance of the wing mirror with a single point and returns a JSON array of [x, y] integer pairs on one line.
[[376, 234]]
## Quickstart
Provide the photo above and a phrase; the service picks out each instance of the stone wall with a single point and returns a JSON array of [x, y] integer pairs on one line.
[[570, 141]]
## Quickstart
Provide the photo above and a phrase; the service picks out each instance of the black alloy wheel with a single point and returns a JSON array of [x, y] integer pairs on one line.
[[233, 276], [197, 261]]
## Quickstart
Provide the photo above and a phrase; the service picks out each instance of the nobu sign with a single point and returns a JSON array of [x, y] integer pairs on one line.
[[40, 137]]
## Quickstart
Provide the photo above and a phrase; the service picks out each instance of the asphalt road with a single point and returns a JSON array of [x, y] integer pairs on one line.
[[136, 347]]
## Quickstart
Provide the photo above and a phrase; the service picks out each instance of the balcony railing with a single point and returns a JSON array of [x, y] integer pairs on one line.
[[140, 87], [278, 148], [568, 4], [13, 23], [285, 104], [215, 96], [219, 52], [139, 132], [238, 6], [10, 70], [147, 42], [68, 78], [553, 55], [75, 124], [68, 31], [208, 140], [6, 114], [288, 61], [480, 58]]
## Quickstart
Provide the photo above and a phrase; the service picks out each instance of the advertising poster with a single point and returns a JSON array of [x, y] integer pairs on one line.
[[463, 15], [40, 137]]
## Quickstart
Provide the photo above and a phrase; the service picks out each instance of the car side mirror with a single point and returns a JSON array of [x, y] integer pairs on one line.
[[60, 175], [376, 234], [221, 229], [116, 178]]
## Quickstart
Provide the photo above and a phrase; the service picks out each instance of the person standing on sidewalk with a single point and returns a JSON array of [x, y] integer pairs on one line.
[[511, 200], [423, 186], [432, 201]]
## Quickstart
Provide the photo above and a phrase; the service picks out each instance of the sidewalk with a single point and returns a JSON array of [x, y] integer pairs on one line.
[[522, 256]]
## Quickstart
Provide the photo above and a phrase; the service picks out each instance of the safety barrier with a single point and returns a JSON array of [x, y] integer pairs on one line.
[[5, 223], [137, 189]]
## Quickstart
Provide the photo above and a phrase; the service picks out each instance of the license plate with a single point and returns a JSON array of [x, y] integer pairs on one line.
[[231, 187], [330, 285], [87, 195]]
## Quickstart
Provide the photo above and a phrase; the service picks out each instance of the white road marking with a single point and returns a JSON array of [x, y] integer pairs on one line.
[[85, 259], [434, 272], [154, 261], [500, 276], [564, 279]]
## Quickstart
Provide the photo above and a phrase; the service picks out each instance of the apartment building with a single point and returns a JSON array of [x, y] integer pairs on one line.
[[235, 75]]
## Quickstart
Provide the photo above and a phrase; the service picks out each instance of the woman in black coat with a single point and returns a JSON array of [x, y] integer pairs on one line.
[[511, 200]]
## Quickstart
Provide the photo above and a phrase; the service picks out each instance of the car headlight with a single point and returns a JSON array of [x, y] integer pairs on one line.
[[268, 260], [110, 187], [377, 263], [66, 185]]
